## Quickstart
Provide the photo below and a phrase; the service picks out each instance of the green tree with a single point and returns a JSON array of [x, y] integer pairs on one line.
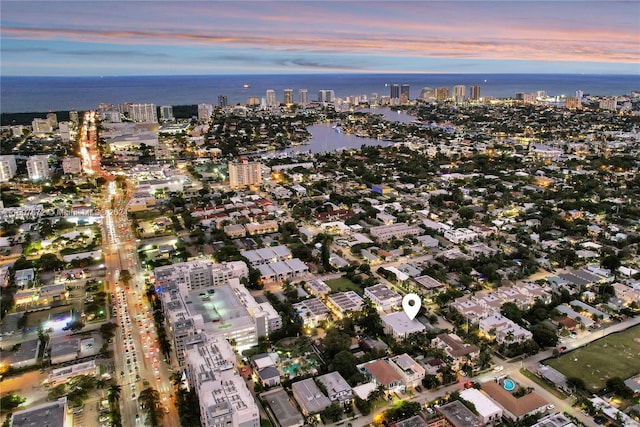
[[617, 386], [332, 414], [50, 262], [150, 399], [11, 401], [345, 363], [511, 311], [544, 336], [125, 276]]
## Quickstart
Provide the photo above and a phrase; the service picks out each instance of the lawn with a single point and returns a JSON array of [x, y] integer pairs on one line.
[[343, 284], [613, 356]]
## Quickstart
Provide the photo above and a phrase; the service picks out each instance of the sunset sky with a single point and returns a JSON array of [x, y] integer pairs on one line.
[[75, 38]]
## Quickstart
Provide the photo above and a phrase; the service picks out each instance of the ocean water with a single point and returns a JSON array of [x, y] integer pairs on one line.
[[25, 94]]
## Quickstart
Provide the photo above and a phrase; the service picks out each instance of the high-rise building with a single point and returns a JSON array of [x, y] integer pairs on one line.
[[223, 395], [272, 101], [253, 101], [166, 113], [459, 92], [326, 96], [609, 104], [404, 90], [222, 101], [303, 97], [579, 94], [573, 102], [73, 117], [65, 131], [427, 94], [7, 167], [38, 167], [475, 92], [204, 112], [41, 126], [288, 96], [53, 120], [395, 93], [143, 113], [442, 93], [244, 173]]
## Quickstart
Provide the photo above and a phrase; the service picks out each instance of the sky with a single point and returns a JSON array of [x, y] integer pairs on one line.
[[159, 37]]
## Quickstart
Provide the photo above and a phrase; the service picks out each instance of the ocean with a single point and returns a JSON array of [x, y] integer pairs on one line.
[[27, 94]]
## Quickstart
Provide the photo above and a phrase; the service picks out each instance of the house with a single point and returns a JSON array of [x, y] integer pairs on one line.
[[283, 411], [458, 415], [309, 397], [456, 349], [338, 390], [488, 412], [312, 311], [411, 372], [503, 330], [383, 374], [269, 376], [514, 407]]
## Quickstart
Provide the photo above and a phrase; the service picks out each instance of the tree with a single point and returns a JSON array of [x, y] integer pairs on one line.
[[511, 311], [345, 363], [404, 410], [50, 262], [11, 401], [125, 276], [333, 413], [335, 342], [617, 386], [150, 399], [611, 262], [544, 336]]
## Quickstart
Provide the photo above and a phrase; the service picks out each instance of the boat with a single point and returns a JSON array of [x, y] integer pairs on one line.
[[246, 86]]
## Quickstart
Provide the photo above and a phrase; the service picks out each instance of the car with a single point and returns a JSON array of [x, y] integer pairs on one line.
[[551, 407], [498, 368]]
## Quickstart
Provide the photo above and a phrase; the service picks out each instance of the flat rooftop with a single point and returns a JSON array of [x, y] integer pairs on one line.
[[47, 415], [221, 310]]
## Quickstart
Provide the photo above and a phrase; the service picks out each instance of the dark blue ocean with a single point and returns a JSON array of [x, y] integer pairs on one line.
[[25, 94]]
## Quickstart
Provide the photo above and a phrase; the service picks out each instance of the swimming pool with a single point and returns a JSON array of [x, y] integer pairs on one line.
[[508, 384]]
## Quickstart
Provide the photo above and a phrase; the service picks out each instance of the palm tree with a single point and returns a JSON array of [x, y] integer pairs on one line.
[[114, 394], [150, 398]]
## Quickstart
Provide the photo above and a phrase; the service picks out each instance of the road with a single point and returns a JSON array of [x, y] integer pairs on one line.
[[137, 361]]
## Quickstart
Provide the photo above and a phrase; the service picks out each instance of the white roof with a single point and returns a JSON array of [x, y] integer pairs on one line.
[[484, 405]]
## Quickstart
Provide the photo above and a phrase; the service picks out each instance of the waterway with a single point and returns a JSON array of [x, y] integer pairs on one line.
[[390, 115], [328, 138]]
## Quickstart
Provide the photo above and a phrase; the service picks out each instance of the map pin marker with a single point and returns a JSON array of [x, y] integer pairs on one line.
[[411, 305]]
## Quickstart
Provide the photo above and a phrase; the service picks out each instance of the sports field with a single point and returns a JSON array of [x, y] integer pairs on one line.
[[616, 355]]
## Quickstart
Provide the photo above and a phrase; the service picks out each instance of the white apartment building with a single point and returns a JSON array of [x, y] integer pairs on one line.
[[222, 393], [244, 174], [200, 273], [384, 233], [71, 165], [383, 298], [312, 311], [503, 329], [41, 126], [400, 326], [460, 235], [143, 113], [7, 167], [65, 131], [204, 112], [38, 167]]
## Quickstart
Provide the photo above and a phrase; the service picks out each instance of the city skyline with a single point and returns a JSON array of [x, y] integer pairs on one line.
[[143, 38]]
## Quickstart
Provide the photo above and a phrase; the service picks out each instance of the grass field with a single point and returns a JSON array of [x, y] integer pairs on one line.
[[616, 355], [342, 284]]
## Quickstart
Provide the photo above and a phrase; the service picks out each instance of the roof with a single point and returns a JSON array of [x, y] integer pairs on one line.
[[309, 396], [47, 415], [269, 372], [284, 412], [382, 372], [459, 415], [516, 406]]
